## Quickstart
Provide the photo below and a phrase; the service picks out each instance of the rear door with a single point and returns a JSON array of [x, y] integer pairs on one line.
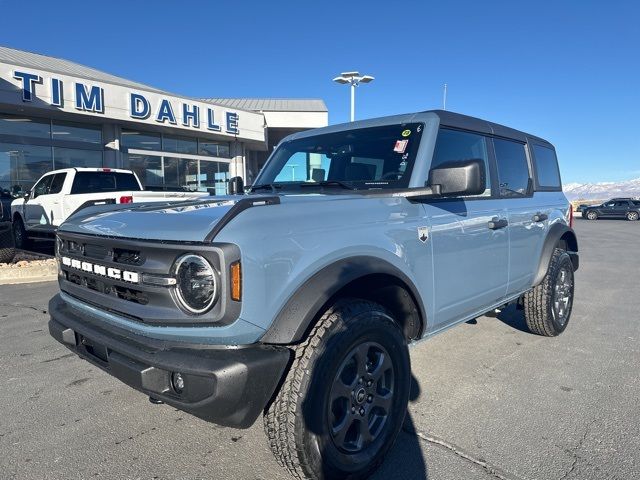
[[528, 217], [54, 204], [621, 208], [469, 238]]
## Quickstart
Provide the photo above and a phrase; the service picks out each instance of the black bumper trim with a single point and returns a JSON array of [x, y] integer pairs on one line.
[[227, 386]]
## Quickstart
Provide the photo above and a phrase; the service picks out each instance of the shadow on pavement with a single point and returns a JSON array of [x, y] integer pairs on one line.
[[406, 458], [513, 317]]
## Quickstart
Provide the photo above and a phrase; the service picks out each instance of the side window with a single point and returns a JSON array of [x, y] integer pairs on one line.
[[57, 183], [546, 167], [455, 146], [42, 187], [513, 168], [622, 204]]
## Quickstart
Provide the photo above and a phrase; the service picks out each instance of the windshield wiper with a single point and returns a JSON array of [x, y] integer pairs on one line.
[[329, 183], [266, 186]]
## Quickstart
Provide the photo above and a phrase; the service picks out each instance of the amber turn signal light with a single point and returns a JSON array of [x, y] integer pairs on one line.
[[236, 281]]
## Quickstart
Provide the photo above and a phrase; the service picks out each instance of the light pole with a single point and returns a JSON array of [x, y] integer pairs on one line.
[[354, 79]]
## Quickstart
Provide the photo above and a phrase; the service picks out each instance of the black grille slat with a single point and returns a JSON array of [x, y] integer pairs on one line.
[[128, 257], [95, 251]]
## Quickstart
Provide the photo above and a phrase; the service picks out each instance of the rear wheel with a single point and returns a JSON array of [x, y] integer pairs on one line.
[[547, 307], [344, 398], [632, 216], [591, 215]]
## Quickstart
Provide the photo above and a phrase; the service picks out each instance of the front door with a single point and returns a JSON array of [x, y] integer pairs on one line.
[[34, 212], [470, 239]]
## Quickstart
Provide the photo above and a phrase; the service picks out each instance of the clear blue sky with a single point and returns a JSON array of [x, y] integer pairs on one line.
[[566, 71]]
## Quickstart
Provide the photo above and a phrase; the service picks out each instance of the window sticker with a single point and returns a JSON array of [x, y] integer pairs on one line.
[[406, 133], [401, 146]]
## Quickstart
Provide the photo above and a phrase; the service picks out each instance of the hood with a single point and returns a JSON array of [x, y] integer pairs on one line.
[[170, 221]]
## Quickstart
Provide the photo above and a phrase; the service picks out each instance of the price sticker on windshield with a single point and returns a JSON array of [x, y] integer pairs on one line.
[[401, 146]]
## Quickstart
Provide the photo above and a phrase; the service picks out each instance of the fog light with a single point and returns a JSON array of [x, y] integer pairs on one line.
[[177, 381]]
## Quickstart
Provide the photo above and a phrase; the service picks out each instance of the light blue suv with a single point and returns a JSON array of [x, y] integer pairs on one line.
[[299, 298]]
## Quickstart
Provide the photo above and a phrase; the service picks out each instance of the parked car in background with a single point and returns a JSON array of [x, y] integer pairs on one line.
[[7, 250], [298, 300], [58, 194], [628, 208]]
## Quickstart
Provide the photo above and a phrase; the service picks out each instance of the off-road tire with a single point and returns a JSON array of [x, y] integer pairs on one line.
[[591, 215], [20, 234], [297, 422], [632, 216], [539, 313], [7, 250]]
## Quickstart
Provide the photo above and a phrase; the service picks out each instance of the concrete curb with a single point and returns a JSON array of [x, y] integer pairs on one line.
[[28, 274]]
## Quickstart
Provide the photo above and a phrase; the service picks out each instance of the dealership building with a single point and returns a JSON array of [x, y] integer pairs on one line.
[[57, 114]]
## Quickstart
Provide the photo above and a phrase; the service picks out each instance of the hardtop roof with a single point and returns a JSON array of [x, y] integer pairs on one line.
[[445, 118]]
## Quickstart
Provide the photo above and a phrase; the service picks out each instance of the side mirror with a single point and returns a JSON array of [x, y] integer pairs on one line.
[[26, 195], [459, 178], [236, 186]]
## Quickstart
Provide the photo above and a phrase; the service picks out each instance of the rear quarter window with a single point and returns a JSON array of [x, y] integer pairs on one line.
[[546, 165]]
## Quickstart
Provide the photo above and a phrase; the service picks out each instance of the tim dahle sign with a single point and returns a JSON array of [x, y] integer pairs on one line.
[[148, 107]]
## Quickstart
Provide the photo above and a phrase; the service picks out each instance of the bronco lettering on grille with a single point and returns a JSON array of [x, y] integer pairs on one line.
[[110, 272]]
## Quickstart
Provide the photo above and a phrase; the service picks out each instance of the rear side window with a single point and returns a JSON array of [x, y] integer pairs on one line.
[[513, 168], [454, 146], [546, 167], [98, 182], [57, 183]]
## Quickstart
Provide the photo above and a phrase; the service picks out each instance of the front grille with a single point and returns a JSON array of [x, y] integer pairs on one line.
[[98, 285], [109, 273]]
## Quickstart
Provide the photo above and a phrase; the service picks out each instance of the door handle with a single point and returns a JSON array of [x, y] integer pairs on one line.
[[498, 223], [540, 217]]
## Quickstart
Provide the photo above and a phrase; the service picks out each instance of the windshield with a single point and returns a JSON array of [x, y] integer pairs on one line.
[[365, 158]]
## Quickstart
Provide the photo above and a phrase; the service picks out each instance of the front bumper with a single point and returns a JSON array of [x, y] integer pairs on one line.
[[225, 385]]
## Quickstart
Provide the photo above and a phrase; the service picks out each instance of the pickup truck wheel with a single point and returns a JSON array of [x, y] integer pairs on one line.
[[7, 252], [547, 307], [345, 396], [591, 215], [20, 234], [632, 216]]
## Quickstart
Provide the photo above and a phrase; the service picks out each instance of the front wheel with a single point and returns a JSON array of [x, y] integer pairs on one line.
[[7, 251], [345, 396], [20, 234], [547, 307], [632, 216], [591, 215]]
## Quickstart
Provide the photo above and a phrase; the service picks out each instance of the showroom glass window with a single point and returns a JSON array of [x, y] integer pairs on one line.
[[74, 132], [513, 168], [31, 147]]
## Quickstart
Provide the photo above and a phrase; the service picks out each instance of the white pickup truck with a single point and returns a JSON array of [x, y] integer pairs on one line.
[[59, 193]]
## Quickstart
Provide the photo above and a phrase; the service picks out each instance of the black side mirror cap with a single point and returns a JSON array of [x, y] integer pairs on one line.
[[467, 177], [236, 186]]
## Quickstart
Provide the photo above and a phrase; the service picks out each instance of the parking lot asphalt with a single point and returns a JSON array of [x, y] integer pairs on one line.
[[490, 400]]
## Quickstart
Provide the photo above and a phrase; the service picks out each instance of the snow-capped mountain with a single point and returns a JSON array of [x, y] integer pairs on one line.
[[602, 190]]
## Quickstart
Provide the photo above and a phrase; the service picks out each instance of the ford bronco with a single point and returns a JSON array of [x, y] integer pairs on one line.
[[297, 300]]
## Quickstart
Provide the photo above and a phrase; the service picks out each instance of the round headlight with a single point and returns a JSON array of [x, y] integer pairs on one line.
[[196, 286]]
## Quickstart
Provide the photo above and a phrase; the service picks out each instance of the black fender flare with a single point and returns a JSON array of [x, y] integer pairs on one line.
[[557, 232], [302, 308]]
